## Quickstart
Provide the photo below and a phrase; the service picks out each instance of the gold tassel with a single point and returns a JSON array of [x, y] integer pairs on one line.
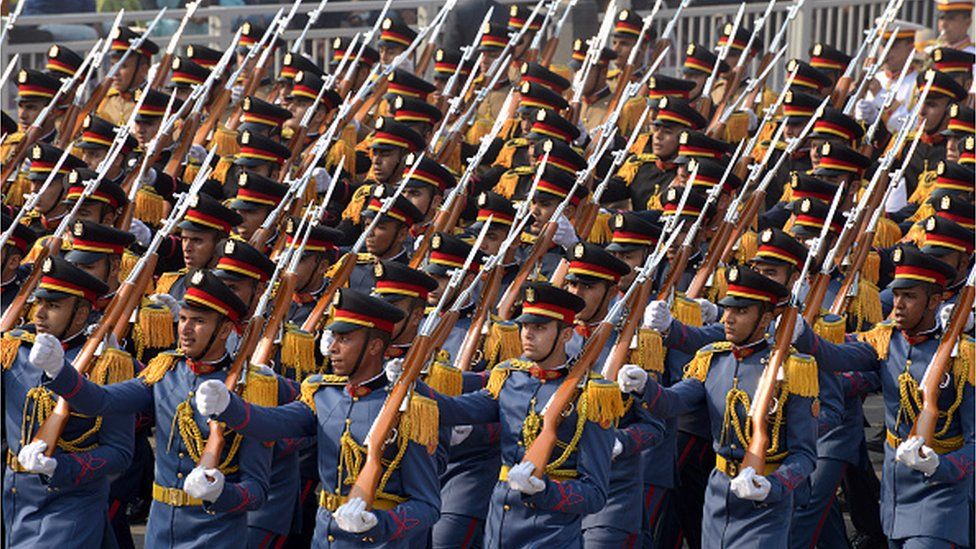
[[604, 404], [639, 146], [507, 183], [127, 263], [421, 422], [158, 366], [9, 345], [341, 150], [219, 173], [480, 128], [497, 379], [444, 378], [787, 195], [16, 193], [737, 127], [720, 286], [190, 171], [871, 270], [868, 300], [888, 233], [601, 233], [114, 366], [502, 342], [699, 366], [298, 351], [924, 186], [261, 387], [156, 325], [309, 387], [748, 246], [649, 353], [915, 235], [507, 153], [686, 311], [801, 376], [150, 207], [226, 142], [166, 281], [356, 203], [831, 327], [509, 128], [878, 337], [924, 211], [629, 114], [963, 364]]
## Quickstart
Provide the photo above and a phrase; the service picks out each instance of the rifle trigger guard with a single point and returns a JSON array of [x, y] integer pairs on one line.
[[774, 406], [569, 409], [946, 380], [393, 436]]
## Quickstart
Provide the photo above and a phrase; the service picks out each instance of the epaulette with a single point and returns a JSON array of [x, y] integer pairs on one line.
[[39, 245], [650, 351], [502, 342], [747, 247], [831, 327], [604, 402], [887, 233], [166, 280], [298, 350], [628, 171], [153, 329], [800, 372], [500, 373], [600, 232], [737, 127], [879, 337], [10, 344], [698, 367], [356, 203], [226, 142], [159, 365], [964, 364], [150, 206], [113, 366], [14, 138], [508, 181], [443, 377], [314, 382], [365, 257], [261, 386], [421, 421], [506, 155]]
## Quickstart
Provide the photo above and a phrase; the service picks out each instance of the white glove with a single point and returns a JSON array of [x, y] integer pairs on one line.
[[197, 154], [945, 314], [916, 455], [322, 180], [631, 378], [110, 342], [521, 478], [393, 368], [325, 342], [235, 94], [141, 231], [709, 310], [212, 398], [32, 458], [47, 354], [353, 517], [866, 111], [148, 178], [169, 302], [618, 448], [460, 433], [565, 236], [748, 485], [657, 316], [197, 485]]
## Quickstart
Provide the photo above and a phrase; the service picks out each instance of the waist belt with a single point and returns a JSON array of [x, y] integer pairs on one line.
[[14, 463], [731, 468], [560, 475], [333, 501], [174, 497], [940, 446]]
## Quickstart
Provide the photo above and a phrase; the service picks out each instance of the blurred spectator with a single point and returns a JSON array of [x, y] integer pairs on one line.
[[62, 32]]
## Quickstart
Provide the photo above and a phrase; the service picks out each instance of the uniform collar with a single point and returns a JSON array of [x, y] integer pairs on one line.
[[665, 166], [362, 389], [743, 352], [544, 374], [76, 340], [199, 367], [922, 337]]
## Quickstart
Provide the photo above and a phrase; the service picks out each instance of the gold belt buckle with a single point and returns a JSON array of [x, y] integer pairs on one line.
[[174, 498], [731, 468]]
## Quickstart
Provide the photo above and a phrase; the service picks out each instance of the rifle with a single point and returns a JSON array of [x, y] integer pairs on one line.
[[931, 385], [466, 53], [346, 83], [664, 42], [680, 262], [33, 133], [11, 21], [532, 53], [869, 74], [167, 59], [885, 105], [312, 18], [550, 49], [69, 121], [462, 120], [706, 94], [628, 71], [256, 73], [635, 307], [768, 116], [348, 261], [33, 198], [842, 88], [539, 452], [400, 392], [724, 112], [495, 269], [740, 66], [53, 245], [593, 51], [586, 214], [453, 104], [767, 59], [436, 25], [818, 287], [848, 287]]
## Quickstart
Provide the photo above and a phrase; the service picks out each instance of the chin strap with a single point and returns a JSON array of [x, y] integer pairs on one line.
[[211, 341]]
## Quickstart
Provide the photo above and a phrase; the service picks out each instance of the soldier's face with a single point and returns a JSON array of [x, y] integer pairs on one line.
[[58, 317], [196, 329], [487, 59], [385, 163], [310, 269], [741, 323], [93, 157], [435, 295], [346, 351], [252, 220], [27, 111], [423, 198], [100, 269], [145, 130], [49, 198], [383, 239], [595, 295], [954, 24], [934, 112], [622, 47], [664, 142], [538, 340], [542, 208], [774, 271], [634, 259], [389, 53], [898, 54], [95, 211], [914, 305], [699, 79], [246, 289], [198, 247], [130, 72], [952, 149], [493, 240]]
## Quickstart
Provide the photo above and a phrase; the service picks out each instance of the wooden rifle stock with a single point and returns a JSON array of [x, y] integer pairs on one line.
[[541, 449], [215, 110], [549, 51], [443, 221], [346, 265], [745, 221], [842, 90], [755, 455], [620, 353], [542, 245], [11, 317], [818, 289], [472, 339], [165, 63], [928, 416], [264, 350], [94, 101], [134, 298], [842, 299], [675, 270], [712, 258], [188, 130]]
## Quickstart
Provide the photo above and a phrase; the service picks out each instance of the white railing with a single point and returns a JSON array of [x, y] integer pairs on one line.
[[838, 22]]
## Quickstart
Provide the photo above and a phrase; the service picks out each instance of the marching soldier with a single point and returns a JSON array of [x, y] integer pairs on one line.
[[14, 251], [390, 239], [118, 103], [955, 21], [256, 197], [50, 206]]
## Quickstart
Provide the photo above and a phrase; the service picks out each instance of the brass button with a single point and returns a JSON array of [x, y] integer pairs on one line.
[[507, 507], [519, 443], [331, 538], [355, 399], [190, 394], [13, 490], [179, 475], [180, 455]]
